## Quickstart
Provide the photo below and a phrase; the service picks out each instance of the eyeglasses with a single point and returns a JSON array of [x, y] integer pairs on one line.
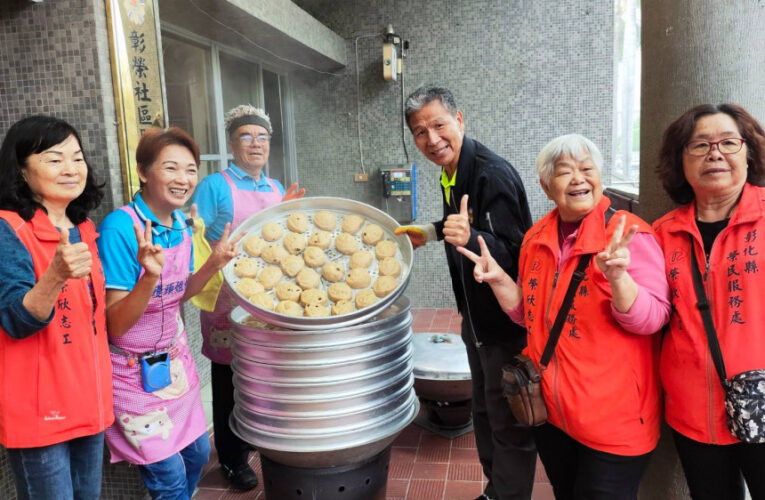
[[247, 139], [727, 146]]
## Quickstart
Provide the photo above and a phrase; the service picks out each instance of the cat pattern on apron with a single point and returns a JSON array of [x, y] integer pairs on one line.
[[151, 426]]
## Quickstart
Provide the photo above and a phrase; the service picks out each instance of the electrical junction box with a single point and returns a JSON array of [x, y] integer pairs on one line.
[[399, 192]]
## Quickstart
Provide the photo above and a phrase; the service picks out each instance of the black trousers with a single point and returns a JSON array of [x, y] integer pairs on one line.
[[717, 472], [582, 473], [232, 451], [505, 449]]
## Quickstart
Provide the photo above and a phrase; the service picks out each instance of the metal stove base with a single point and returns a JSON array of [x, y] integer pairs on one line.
[[363, 481], [449, 419]]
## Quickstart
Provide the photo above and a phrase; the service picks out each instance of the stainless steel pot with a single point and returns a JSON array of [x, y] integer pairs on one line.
[[441, 368], [324, 398]]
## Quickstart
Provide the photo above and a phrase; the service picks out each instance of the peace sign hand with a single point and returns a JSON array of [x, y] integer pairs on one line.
[[457, 226], [150, 256], [225, 250], [614, 260], [486, 269]]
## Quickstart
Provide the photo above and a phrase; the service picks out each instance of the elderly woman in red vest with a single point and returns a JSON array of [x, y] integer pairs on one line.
[[55, 372], [712, 162], [600, 385]]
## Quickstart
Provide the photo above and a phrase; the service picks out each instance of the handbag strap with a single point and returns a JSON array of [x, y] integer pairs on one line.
[[565, 307], [568, 299], [702, 305]]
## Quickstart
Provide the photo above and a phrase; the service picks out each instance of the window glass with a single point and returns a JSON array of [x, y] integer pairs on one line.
[[273, 106], [626, 152], [207, 167], [189, 90], [204, 80], [239, 81]]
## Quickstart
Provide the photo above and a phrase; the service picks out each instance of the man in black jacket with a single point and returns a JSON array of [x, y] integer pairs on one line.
[[483, 196]]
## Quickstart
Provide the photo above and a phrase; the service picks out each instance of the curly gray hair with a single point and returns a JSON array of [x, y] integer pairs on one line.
[[244, 110]]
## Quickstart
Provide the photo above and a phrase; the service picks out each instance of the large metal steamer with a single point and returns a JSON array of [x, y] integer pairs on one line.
[[325, 394]]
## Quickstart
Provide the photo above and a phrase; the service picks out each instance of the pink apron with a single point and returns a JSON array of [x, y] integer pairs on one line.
[[151, 426], [215, 325]]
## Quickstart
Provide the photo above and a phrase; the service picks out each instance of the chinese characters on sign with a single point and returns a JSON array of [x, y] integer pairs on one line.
[[137, 77]]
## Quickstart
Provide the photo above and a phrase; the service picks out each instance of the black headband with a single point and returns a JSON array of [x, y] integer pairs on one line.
[[248, 120]]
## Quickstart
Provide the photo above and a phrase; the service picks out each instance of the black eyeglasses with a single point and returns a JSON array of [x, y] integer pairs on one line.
[[727, 146], [247, 139]]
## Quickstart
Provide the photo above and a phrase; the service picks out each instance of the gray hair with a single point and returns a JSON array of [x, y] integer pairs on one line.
[[422, 96], [243, 110], [573, 145]]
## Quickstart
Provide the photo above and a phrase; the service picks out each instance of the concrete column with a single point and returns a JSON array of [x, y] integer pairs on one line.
[[693, 52]]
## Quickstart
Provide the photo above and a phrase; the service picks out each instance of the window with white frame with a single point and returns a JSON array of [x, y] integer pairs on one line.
[[205, 79], [626, 142]]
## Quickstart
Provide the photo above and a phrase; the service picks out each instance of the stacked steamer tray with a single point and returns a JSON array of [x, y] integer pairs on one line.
[[322, 397]]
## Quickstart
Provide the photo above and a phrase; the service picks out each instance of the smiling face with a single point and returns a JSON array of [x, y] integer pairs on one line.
[[170, 180], [574, 187], [57, 175], [250, 155], [715, 174], [438, 134]]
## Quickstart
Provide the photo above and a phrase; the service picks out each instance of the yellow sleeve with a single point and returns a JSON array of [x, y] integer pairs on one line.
[[206, 299]]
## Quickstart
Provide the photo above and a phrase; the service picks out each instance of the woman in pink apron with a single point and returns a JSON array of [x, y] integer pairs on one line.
[[159, 419], [229, 197]]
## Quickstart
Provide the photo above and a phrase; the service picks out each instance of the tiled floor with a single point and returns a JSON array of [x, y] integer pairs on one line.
[[423, 466]]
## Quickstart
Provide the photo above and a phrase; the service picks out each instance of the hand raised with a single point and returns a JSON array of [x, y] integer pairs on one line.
[[293, 193], [614, 260], [225, 250], [486, 269], [70, 260], [150, 256], [457, 226]]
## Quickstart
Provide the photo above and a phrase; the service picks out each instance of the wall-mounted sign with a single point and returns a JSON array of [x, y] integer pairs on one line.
[[137, 77]]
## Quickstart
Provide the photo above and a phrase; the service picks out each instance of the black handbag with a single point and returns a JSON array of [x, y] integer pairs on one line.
[[744, 392], [521, 381]]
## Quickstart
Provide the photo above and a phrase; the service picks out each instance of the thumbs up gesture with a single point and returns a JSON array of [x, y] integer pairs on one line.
[[457, 226], [70, 260]]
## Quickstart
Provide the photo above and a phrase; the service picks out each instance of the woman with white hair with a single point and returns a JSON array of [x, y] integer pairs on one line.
[[599, 384]]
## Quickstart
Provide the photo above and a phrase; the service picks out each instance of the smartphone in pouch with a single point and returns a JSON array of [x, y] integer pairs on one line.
[[155, 371]]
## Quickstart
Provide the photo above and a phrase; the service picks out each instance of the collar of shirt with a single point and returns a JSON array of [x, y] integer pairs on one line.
[[261, 183], [447, 183], [145, 213]]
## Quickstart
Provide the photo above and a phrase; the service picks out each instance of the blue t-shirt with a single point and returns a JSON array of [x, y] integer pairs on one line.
[[215, 203], [118, 247], [17, 277]]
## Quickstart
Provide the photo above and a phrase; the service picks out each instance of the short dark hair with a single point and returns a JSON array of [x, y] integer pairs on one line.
[[670, 167], [155, 139], [33, 135], [424, 95]]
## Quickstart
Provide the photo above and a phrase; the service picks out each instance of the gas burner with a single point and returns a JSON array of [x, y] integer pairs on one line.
[[360, 481]]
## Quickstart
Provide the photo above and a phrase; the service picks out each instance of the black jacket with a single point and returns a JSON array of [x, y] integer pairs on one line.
[[500, 213]]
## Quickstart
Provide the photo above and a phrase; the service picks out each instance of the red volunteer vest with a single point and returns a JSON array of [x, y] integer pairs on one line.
[[56, 384], [693, 394], [601, 386]]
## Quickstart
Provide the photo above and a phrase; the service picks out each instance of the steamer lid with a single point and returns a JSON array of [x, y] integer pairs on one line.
[[440, 356]]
